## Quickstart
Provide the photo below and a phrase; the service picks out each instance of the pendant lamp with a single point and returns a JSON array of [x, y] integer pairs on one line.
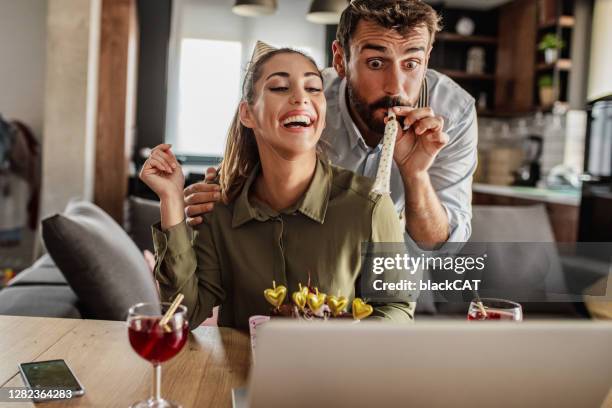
[[326, 11], [254, 8]]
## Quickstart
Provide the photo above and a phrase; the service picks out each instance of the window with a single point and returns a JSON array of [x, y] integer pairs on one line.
[[209, 49], [208, 93]]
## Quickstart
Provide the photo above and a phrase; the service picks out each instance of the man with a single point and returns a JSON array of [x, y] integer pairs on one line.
[[380, 60]]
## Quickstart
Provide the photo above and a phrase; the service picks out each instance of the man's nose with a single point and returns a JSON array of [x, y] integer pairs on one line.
[[393, 81]]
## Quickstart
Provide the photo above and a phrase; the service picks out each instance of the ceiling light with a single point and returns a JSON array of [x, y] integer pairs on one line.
[[254, 8], [326, 11]]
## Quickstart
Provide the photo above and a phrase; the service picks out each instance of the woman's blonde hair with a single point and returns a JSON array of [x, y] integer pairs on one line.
[[241, 153]]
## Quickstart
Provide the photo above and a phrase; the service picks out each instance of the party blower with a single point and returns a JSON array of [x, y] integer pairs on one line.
[[382, 183]]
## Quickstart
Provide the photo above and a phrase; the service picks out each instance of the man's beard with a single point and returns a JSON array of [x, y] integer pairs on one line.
[[366, 111]]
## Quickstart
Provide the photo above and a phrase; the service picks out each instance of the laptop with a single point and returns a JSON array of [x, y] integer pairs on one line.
[[431, 364]]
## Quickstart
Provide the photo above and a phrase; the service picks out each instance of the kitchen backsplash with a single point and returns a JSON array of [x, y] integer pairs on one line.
[[502, 146]]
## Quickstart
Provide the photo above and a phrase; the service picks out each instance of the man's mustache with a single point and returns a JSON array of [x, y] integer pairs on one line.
[[389, 102]]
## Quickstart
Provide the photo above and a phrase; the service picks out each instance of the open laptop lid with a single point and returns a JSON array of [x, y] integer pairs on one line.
[[543, 364]]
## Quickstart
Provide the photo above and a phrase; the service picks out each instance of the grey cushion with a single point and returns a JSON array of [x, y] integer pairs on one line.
[[496, 223], [43, 301], [425, 303], [142, 214], [42, 272], [522, 272], [99, 260]]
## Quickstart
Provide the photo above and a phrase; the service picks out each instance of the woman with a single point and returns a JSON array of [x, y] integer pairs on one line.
[[286, 215]]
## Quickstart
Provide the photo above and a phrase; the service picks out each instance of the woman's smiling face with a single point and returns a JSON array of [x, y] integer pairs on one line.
[[287, 113]]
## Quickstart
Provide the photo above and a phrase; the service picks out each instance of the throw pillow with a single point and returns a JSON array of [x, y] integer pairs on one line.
[[99, 260]]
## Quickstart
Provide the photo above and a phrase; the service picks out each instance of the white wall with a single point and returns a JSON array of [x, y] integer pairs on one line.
[[288, 27], [600, 80], [214, 20], [73, 35], [22, 61], [211, 19]]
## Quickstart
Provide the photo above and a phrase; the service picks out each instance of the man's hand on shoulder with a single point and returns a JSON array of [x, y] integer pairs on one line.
[[201, 197], [420, 141]]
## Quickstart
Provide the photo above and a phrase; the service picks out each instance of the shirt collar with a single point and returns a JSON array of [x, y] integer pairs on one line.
[[312, 204]]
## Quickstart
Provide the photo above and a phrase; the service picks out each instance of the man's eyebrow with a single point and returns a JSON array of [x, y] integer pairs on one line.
[[374, 47], [383, 49], [411, 50]]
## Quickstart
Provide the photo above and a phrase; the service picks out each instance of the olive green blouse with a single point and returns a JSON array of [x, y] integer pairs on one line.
[[240, 248]]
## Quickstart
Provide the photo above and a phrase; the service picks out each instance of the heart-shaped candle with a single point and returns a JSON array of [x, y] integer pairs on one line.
[[304, 290], [276, 295], [300, 297], [361, 309], [337, 304], [316, 300]]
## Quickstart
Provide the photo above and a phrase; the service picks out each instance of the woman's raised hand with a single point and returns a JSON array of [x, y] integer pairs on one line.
[[163, 173]]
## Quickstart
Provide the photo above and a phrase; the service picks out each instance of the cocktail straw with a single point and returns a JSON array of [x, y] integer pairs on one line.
[[164, 320], [480, 305]]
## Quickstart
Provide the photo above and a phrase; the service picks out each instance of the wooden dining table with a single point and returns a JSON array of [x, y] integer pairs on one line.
[[213, 361]]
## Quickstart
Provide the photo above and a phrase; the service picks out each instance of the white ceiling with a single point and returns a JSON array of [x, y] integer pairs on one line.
[[470, 4]]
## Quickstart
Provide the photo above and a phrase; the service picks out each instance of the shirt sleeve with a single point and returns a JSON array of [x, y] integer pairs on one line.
[[188, 266], [451, 175], [387, 228]]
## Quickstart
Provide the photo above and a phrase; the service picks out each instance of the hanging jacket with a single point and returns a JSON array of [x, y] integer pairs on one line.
[[20, 157], [7, 138], [25, 163]]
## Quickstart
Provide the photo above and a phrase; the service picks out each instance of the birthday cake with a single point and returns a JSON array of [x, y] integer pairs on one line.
[[308, 303]]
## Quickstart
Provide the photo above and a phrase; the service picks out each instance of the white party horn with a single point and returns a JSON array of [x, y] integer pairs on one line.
[[382, 183]]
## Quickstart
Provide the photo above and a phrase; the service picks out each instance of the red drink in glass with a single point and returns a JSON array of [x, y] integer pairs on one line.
[[153, 343], [495, 310], [491, 315], [156, 343]]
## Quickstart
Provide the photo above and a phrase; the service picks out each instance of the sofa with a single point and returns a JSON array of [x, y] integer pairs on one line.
[[45, 289], [87, 286]]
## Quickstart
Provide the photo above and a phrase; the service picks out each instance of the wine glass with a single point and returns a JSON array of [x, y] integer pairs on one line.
[[495, 309], [156, 343]]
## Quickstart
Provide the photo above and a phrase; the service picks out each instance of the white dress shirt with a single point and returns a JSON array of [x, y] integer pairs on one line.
[[451, 173]]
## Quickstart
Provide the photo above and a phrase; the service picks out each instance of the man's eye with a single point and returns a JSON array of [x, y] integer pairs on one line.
[[279, 89], [375, 64], [412, 65]]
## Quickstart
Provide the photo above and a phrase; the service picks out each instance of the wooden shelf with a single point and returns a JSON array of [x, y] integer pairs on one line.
[[470, 39], [562, 21], [467, 76], [561, 65]]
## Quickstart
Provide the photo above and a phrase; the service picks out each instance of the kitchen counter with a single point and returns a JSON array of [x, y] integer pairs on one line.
[[565, 197]]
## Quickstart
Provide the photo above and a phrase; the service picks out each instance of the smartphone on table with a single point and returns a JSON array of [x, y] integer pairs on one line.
[[50, 380]]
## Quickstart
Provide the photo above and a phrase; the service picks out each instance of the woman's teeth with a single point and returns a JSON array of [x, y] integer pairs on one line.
[[296, 121]]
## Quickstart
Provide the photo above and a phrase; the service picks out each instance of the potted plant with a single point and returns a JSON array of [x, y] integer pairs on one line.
[[547, 91], [550, 45]]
